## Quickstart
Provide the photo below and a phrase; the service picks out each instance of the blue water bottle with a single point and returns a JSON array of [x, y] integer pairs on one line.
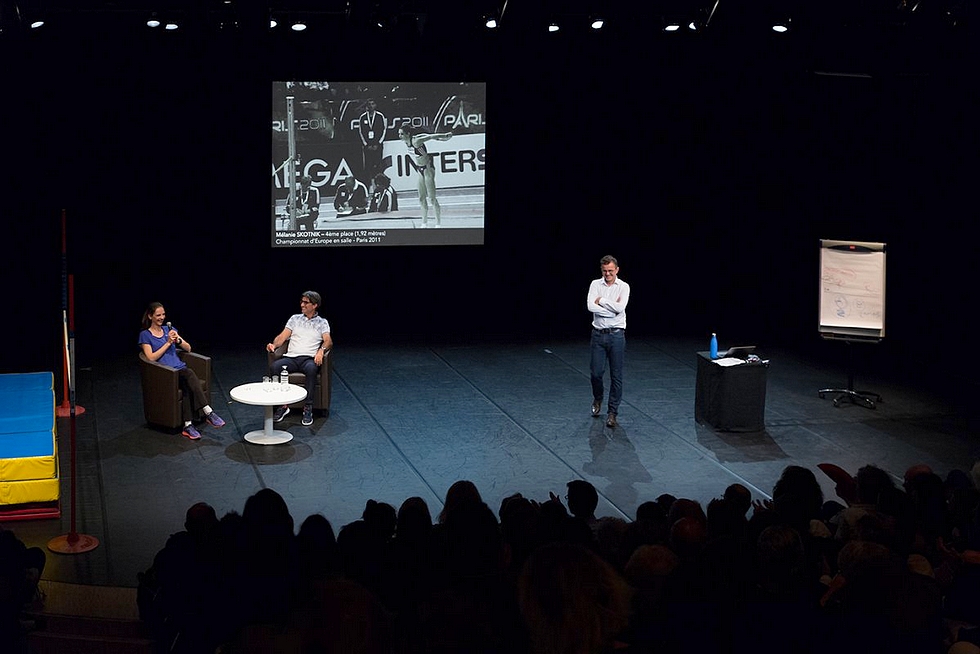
[[714, 346]]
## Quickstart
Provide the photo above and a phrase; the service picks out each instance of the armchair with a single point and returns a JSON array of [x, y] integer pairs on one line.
[[321, 393], [162, 395]]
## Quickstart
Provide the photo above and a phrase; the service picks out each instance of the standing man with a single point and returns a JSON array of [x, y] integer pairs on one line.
[[309, 339], [372, 127], [607, 301]]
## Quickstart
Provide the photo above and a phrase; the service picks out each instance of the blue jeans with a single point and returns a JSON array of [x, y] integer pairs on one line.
[[304, 364], [611, 347]]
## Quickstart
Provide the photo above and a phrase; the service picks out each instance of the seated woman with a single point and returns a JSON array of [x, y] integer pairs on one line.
[[160, 342]]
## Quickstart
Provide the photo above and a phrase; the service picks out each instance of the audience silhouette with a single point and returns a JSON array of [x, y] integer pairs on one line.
[[890, 568]]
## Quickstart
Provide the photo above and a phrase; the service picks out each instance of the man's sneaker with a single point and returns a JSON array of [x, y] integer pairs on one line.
[[596, 408], [191, 432], [611, 421], [307, 415], [215, 420], [280, 413]]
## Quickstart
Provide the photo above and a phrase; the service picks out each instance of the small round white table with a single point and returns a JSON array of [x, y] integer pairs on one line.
[[258, 394]]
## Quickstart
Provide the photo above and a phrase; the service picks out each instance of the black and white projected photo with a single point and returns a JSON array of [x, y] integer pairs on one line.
[[377, 163]]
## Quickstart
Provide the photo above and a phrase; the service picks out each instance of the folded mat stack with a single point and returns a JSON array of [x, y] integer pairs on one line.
[[29, 480]]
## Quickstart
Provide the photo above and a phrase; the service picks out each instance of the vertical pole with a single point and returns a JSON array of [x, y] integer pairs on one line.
[[72, 542], [67, 405], [291, 168]]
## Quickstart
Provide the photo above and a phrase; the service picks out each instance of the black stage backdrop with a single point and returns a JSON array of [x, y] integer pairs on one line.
[[711, 169]]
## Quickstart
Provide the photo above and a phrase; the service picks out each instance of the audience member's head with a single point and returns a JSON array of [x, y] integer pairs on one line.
[[361, 547], [870, 481], [582, 498], [857, 554], [780, 559], [897, 517], [930, 502], [802, 483], [650, 526], [414, 522], [611, 540], [316, 545], [651, 511], [512, 505], [666, 500], [685, 508], [475, 544], [266, 513], [740, 497], [519, 525], [725, 519], [914, 471], [201, 519], [649, 565], [380, 517], [461, 492], [687, 538], [316, 529], [555, 524], [572, 601], [793, 510], [230, 529]]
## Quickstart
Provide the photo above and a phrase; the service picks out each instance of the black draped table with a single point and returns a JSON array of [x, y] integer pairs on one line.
[[731, 398]]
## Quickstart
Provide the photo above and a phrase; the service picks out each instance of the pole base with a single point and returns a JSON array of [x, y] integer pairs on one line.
[[64, 411], [867, 399], [73, 544]]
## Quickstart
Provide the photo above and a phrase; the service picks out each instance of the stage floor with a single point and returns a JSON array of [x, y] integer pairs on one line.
[[410, 420]]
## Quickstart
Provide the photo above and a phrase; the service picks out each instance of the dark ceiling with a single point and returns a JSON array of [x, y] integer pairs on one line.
[[847, 37], [830, 18]]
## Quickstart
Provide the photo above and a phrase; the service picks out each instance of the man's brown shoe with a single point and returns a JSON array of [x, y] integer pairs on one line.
[[611, 421], [596, 408]]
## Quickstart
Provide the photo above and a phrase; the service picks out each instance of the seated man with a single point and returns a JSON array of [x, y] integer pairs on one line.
[[384, 198], [309, 339], [307, 205], [351, 198]]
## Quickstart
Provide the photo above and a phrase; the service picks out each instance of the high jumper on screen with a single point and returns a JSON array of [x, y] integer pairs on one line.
[[427, 172]]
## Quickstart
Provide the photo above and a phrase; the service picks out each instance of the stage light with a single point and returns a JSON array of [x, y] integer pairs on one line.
[[171, 26], [153, 22], [597, 24], [553, 27], [672, 27], [298, 26], [491, 23], [36, 24], [273, 23], [780, 28]]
